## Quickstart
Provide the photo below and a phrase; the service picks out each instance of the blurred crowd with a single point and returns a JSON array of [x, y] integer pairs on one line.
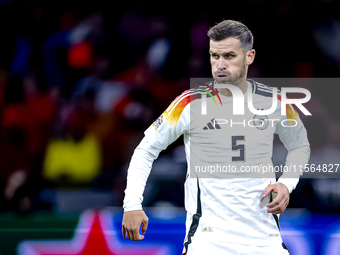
[[81, 81]]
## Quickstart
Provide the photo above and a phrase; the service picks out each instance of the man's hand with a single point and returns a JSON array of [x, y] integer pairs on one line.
[[280, 203], [131, 224]]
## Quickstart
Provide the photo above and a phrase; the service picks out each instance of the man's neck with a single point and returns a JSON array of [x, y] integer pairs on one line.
[[226, 92]]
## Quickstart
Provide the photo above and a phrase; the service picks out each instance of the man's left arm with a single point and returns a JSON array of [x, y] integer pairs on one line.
[[294, 137]]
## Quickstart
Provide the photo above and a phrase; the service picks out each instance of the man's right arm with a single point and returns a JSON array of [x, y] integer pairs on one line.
[[165, 130]]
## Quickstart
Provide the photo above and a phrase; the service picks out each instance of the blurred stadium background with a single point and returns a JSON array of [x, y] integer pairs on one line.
[[80, 82]]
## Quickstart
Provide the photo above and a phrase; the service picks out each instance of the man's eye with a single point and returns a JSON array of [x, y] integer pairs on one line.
[[228, 55], [215, 56]]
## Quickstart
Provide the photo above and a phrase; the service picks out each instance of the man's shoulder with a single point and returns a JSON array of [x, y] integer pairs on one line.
[[198, 90], [261, 89]]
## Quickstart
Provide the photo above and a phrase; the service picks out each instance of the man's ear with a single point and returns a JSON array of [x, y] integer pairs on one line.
[[250, 57]]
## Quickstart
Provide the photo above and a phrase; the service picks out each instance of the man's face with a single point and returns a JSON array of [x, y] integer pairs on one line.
[[229, 63]]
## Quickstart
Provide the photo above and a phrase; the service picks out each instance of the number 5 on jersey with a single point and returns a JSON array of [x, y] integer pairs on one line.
[[238, 147]]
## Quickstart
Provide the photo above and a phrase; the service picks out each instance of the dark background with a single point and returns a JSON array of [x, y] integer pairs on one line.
[[81, 81]]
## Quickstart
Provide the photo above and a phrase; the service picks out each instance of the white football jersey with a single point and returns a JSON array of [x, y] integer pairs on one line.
[[229, 162]]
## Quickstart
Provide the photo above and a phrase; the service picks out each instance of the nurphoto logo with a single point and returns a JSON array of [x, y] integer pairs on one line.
[[238, 100]]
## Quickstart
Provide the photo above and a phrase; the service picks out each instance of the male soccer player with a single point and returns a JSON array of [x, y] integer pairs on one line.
[[224, 215]]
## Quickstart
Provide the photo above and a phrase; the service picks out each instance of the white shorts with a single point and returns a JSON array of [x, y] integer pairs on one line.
[[223, 248]]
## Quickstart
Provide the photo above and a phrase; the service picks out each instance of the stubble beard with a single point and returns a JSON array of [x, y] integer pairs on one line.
[[234, 79]]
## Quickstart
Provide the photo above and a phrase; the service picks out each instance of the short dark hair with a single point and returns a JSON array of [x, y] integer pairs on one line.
[[232, 28]]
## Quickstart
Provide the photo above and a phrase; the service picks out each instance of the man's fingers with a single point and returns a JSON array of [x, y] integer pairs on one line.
[[137, 236], [275, 209], [123, 231], [128, 234], [267, 191], [281, 201], [145, 225], [276, 201], [132, 221], [278, 208], [272, 204], [132, 233]]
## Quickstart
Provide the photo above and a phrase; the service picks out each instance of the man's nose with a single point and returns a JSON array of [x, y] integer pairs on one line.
[[221, 64]]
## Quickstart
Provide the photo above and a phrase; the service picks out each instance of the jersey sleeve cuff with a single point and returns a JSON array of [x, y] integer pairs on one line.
[[290, 183]]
